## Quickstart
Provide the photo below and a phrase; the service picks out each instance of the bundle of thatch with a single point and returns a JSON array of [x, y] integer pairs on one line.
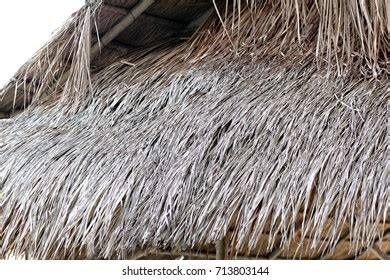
[[258, 125]]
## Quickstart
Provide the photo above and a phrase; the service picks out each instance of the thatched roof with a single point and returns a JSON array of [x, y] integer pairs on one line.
[[268, 126]]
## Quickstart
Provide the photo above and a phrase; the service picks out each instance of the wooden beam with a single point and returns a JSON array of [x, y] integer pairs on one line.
[[220, 247], [121, 26], [173, 24]]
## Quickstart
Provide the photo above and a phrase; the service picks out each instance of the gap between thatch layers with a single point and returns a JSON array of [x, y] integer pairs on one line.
[[166, 157]]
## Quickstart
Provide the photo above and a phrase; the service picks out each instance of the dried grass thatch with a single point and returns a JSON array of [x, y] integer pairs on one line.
[[238, 129], [62, 65]]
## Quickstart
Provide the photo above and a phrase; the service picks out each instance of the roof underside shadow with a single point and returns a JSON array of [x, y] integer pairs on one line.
[[157, 22]]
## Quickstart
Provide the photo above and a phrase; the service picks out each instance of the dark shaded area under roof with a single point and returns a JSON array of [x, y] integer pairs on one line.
[[163, 20]]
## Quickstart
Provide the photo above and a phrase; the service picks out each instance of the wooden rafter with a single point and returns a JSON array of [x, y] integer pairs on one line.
[[151, 17], [220, 248], [120, 26]]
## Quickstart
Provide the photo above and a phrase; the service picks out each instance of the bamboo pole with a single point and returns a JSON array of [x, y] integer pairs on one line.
[[220, 249], [121, 26], [115, 31]]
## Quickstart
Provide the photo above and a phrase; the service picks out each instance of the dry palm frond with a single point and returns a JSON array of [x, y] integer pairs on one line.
[[348, 34], [63, 60], [173, 158], [175, 145]]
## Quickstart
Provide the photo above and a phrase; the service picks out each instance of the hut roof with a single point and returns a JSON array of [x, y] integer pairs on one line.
[[193, 126]]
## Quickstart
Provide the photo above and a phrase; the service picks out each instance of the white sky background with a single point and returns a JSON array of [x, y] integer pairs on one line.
[[25, 26]]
